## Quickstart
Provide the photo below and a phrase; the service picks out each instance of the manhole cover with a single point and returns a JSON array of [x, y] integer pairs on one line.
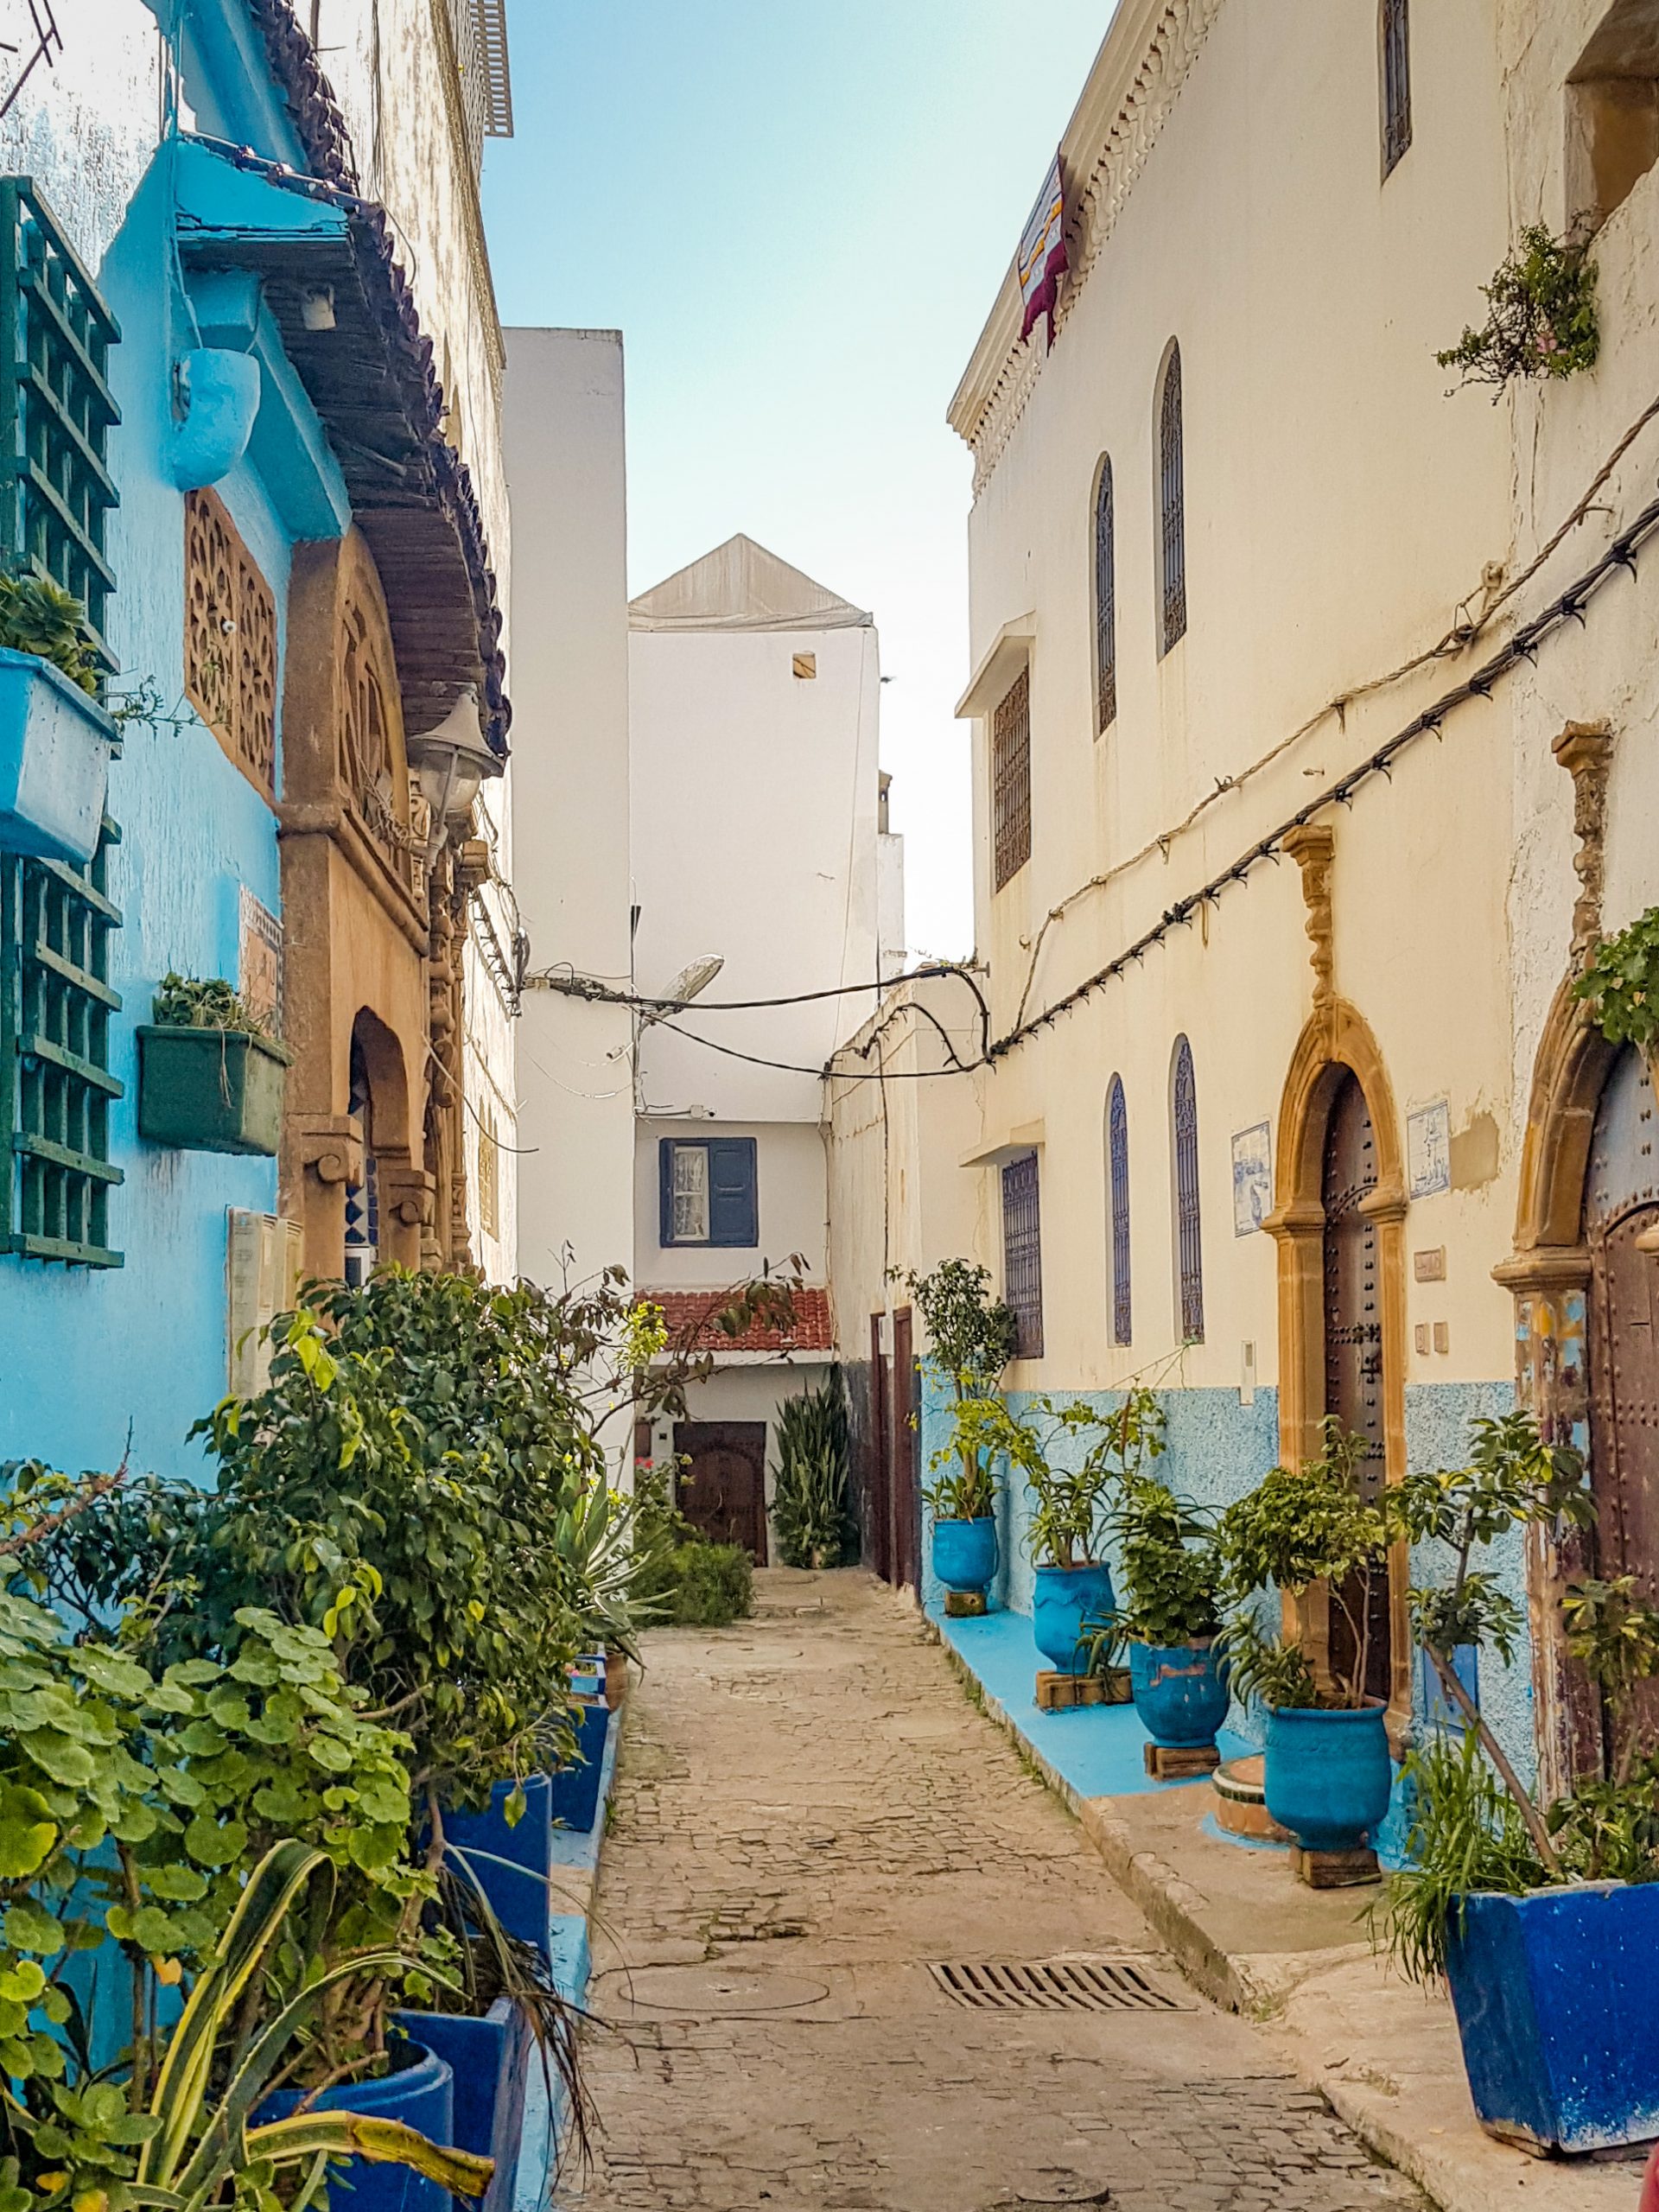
[[718, 1988], [1059, 2185], [1056, 1986]]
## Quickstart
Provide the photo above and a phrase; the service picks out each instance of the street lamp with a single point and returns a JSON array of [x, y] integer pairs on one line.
[[692, 979], [450, 763]]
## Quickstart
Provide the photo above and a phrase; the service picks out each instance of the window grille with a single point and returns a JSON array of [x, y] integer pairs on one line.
[[230, 640], [55, 408], [55, 1085], [1011, 780], [1183, 1104], [1105, 605], [1022, 1254], [1117, 1149], [1171, 502], [1396, 82]]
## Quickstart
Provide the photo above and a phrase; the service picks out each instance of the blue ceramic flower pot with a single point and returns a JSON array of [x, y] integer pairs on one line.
[[964, 1553], [1179, 1691], [490, 2060], [512, 1865], [422, 2096], [55, 745], [1328, 1776], [576, 1788], [1065, 1598], [1553, 1995]]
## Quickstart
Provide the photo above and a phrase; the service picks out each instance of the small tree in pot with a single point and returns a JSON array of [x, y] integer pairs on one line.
[[1328, 1768], [970, 1340], [1169, 1613]]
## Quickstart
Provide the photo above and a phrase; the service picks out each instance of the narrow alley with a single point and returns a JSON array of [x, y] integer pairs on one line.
[[811, 1823]]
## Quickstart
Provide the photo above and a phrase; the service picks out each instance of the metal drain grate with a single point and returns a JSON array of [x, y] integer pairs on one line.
[[1055, 1985]]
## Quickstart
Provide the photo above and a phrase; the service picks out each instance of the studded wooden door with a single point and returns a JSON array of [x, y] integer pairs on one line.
[[1353, 1348], [1621, 1203], [721, 1488]]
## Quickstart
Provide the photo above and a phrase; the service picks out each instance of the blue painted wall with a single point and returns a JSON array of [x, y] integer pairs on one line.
[[87, 1353], [1217, 1448]]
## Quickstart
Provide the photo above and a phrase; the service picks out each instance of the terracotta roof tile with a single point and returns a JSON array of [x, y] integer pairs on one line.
[[689, 1316]]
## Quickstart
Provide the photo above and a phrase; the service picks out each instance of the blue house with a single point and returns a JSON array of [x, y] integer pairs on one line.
[[227, 438]]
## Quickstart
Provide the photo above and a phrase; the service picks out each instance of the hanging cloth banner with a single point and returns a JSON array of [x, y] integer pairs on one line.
[[1042, 254]]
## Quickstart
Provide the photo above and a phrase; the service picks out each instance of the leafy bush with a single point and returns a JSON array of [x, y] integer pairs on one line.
[[1542, 318], [811, 1505], [1172, 1577], [713, 1585]]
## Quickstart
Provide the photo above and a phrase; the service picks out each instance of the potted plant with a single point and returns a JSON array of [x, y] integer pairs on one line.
[[1543, 1919], [1328, 1772], [210, 1075], [971, 1338], [1169, 1614], [55, 738]]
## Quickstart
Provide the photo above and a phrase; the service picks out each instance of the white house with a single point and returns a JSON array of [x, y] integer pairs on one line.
[[759, 842]]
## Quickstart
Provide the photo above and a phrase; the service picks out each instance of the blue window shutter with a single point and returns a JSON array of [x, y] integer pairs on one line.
[[665, 1190], [734, 1208]]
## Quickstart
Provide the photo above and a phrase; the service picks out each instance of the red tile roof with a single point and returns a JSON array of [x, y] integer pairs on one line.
[[689, 1315]]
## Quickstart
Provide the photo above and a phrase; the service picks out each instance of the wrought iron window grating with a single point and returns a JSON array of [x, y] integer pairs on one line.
[[1171, 502], [1022, 1254], [1122, 1985], [55, 1085], [1118, 1148], [56, 411], [1011, 779], [1396, 82], [1105, 605], [1184, 1113]]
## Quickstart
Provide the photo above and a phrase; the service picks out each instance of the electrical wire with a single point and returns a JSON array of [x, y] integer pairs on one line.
[[588, 987]]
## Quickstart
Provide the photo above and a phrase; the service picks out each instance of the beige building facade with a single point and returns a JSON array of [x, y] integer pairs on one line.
[[1274, 833]]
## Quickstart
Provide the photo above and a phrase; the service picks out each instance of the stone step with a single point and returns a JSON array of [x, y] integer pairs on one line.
[[1241, 1801]]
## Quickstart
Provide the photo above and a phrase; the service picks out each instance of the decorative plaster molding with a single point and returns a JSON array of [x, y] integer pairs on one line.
[[330, 1145], [1097, 198], [1585, 751], [1314, 848]]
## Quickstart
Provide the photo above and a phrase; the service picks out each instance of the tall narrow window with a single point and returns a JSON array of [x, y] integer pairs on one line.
[[1022, 1254], [1011, 780], [1105, 604], [1184, 1120], [1117, 1166], [1171, 505], [1396, 82]]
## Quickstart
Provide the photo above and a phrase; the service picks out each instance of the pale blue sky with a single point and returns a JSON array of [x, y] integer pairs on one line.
[[798, 216]]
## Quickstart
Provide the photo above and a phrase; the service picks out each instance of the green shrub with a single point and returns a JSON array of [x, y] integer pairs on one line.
[[812, 1504], [714, 1586]]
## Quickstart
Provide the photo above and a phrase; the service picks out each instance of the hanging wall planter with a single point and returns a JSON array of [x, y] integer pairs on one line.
[[211, 1089], [55, 747]]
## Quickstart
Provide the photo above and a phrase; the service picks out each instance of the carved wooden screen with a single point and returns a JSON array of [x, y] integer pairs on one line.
[[371, 753], [230, 640], [1011, 780], [1184, 1114], [1171, 502], [1117, 1155], [1105, 605]]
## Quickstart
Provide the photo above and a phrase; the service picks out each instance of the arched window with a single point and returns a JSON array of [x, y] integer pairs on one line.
[[1117, 1169], [1183, 1130], [1105, 603], [1172, 506]]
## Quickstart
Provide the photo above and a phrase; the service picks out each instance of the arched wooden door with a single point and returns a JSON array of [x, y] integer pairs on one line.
[[721, 1487], [1621, 1202], [1353, 1347]]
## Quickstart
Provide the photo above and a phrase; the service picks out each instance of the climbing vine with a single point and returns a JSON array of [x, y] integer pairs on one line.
[[1620, 986]]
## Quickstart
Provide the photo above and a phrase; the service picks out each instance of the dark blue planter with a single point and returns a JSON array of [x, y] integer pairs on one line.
[[423, 2097], [1328, 1774], [490, 2060], [575, 1801], [1179, 1691], [1553, 1994], [512, 1865], [964, 1553], [1065, 1598]]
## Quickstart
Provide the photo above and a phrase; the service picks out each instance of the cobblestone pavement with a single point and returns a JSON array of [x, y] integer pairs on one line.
[[809, 1811]]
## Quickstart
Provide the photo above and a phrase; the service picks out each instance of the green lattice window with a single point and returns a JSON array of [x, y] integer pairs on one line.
[[56, 409], [55, 1049]]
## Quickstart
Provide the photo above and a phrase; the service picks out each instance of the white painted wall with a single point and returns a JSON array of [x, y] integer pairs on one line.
[[755, 836], [567, 476]]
